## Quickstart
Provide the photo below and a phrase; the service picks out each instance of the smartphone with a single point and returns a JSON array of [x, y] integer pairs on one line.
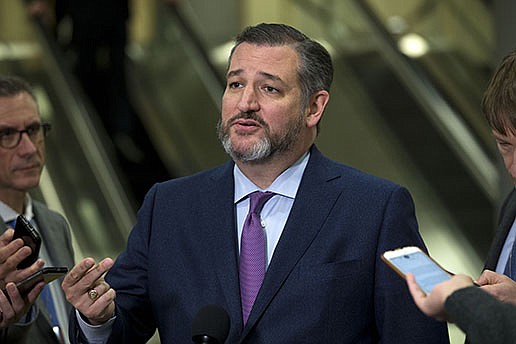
[[428, 272], [46, 275], [30, 236]]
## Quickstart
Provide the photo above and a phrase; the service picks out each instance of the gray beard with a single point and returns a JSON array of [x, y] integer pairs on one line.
[[265, 147], [260, 151]]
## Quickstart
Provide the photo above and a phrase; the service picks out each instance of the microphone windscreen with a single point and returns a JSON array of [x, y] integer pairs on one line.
[[212, 321]]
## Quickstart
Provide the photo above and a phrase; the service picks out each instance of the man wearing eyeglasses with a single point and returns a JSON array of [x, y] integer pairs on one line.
[[41, 315]]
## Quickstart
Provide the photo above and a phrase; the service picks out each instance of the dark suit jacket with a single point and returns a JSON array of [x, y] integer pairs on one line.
[[325, 282], [506, 219], [56, 236]]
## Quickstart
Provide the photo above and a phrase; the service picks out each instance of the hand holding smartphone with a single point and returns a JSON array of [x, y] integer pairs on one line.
[[46, 275], [30, 236], [428, 272]]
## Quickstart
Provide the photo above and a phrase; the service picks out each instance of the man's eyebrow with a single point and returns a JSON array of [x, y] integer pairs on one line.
[[235, 72], [496, 133], [8, 126], [266, 75], [500, 137], [271, 76]]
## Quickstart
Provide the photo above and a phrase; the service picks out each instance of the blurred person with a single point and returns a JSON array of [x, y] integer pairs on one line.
[[483, 318], [29, 319], [499, 108], [96, 50], [304, 268], [94, 37]]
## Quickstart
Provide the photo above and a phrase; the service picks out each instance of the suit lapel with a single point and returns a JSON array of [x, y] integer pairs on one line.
[[45, 226], [506, 220], [221, 239], [314, 200]]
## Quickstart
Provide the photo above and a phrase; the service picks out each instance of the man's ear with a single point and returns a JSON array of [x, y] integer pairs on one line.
[[316, 107]]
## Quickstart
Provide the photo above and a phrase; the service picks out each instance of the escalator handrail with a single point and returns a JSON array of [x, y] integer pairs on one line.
[[452, 127], [88, 134], [211, 76]]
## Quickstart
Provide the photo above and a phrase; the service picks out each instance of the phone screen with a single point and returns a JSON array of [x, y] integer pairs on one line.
[[427, 272]]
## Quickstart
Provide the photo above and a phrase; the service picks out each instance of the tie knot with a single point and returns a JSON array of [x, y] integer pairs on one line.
[[258, 200]]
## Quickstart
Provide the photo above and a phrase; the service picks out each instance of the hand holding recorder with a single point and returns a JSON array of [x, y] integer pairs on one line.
[[19, 251], [11, 253], [31, 238], [22, 276]]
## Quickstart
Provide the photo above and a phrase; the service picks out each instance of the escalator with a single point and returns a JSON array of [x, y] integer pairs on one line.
[[432, 104], [81, 180]]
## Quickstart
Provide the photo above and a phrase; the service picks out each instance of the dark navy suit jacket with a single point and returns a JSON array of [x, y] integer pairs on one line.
[[506, 219], [325, 282]]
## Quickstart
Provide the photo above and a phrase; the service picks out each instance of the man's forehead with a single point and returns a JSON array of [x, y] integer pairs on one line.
[[509, 132], [20, 107], [268, 53], [269, 62]]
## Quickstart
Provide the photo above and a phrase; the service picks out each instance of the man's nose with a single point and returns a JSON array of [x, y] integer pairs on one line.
[[26, 144], [248, 101]]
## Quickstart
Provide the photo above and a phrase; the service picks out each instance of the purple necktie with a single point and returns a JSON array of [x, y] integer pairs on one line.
[[252, 252]]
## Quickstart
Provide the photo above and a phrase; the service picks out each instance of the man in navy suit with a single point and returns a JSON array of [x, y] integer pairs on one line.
[[325, 226]]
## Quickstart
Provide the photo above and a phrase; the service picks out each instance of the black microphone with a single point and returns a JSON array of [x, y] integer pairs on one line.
[[210, 325]]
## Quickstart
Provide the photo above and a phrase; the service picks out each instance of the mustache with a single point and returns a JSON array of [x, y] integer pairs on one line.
[[36, 161], [248, 115]]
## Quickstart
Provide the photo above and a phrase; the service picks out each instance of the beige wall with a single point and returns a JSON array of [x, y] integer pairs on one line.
[[142, 21], [13, 22]]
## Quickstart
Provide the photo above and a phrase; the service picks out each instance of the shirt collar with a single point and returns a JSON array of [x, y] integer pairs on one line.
[[8, 214], [286, 184]]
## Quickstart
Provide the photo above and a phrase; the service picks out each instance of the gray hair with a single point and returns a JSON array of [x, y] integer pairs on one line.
[[13, 85]]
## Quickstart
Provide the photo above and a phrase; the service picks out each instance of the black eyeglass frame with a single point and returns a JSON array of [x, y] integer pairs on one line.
[[31, 132]]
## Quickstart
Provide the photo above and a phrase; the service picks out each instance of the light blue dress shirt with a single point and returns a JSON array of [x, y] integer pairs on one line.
[[505, 255], [276, 211]]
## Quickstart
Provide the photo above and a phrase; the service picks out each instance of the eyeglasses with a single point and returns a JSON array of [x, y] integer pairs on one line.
[[10, 137]]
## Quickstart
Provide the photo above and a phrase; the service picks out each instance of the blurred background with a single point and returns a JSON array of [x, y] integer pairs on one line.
[[405, 105]]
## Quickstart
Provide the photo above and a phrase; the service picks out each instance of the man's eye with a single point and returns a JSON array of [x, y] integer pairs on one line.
[[270, 89], [7, 132], [504, 145], [234, 84], [33, 129]]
